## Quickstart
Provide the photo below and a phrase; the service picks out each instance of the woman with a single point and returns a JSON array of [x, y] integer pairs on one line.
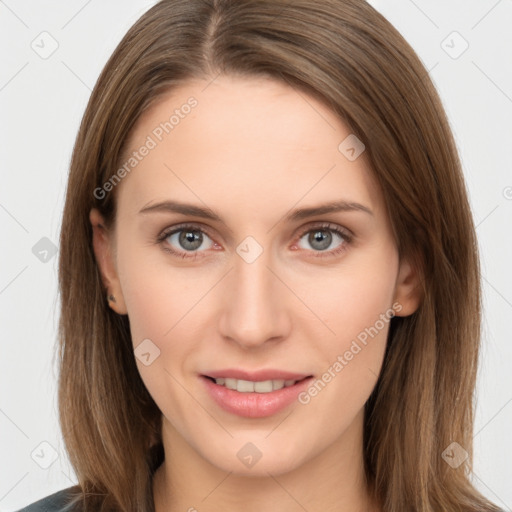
[[268, 271]]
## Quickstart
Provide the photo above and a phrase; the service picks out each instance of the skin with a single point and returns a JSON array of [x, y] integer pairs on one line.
[[252, 150]]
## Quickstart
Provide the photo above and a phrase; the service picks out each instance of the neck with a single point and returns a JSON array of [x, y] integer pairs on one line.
[[334, 481]]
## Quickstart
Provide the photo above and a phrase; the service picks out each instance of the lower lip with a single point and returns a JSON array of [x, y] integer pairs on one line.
[[254, 405]]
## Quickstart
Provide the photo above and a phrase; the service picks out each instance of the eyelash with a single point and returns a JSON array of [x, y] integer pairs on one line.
[[344, 235]]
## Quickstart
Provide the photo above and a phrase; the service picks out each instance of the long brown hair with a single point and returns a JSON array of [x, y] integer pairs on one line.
[[345, 54]]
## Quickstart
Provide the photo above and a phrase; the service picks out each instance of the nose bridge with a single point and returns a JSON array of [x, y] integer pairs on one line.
[[255, 309]]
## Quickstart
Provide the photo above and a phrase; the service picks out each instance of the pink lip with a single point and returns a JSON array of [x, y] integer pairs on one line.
[[260, 375], [254, 405]]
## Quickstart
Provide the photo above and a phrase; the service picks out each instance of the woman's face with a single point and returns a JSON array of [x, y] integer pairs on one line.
[[226, 269]]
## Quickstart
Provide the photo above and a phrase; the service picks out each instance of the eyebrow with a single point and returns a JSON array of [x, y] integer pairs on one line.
[[294, 215]]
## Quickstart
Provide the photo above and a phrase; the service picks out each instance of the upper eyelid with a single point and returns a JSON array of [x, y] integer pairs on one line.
[[328, 226], [166, 232]]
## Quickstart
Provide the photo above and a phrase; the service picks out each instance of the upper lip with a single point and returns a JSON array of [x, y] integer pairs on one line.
[[256, 376]]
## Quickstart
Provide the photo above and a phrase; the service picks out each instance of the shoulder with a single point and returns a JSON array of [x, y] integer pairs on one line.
[[57, 502]]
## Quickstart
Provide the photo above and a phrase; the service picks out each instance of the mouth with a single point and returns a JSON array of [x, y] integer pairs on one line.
[[254, 398], [249, 386]]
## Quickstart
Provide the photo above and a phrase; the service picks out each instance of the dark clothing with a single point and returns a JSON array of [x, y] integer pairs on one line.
[[57, 502]]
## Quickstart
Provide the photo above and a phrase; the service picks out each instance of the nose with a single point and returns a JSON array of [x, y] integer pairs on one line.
[[255, 304]]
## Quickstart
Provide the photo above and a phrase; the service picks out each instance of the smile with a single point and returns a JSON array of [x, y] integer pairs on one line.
[[254, 399], [248, 386]]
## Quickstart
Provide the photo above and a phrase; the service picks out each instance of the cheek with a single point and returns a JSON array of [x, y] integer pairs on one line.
[[157, 296], [355, 306], [352, 297], [165, 305], [159, 301]]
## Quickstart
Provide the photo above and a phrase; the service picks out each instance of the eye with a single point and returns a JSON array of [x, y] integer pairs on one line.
[[185, 241], [191, 241], [325, 239]]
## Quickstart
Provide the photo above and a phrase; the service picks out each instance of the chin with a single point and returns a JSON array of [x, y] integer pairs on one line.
[[258, 458]]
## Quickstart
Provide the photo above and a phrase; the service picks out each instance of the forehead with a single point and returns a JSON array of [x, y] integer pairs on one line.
[[253, 141]]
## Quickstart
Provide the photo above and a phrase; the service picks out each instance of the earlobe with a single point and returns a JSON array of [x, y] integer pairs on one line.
[[408, 291], [102, 245]]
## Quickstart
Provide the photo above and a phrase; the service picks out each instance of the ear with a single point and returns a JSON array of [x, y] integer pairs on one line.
[[103, 245], [408, 291]]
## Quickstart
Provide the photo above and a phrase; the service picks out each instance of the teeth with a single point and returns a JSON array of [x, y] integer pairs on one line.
[[248, 386]]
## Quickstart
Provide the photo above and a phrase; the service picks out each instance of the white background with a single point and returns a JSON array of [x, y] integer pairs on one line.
[[42, 101]]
